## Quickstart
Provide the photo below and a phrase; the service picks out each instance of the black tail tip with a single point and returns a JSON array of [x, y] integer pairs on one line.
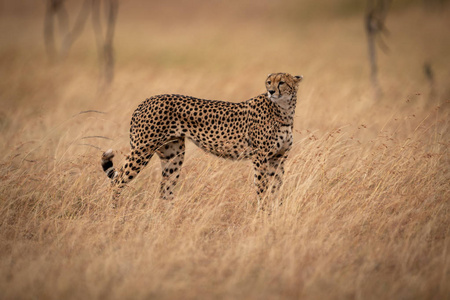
[[107, 155]]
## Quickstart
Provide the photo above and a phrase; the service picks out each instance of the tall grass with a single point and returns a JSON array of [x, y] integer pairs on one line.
[[365, 213]]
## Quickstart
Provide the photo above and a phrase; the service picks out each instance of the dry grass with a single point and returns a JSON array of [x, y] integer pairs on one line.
[[366, 210]]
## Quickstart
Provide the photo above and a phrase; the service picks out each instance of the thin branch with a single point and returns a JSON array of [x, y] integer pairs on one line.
[[63, 19], [97, 27], [112, 9], [89, 111], [49, 37], [89, 145], [77, 28], [96, 137]]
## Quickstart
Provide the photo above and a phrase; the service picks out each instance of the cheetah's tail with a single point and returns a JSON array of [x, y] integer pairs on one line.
[[107, 164]]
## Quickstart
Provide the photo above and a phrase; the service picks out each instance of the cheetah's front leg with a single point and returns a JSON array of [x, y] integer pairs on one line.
[[260, 166], [275, 172]]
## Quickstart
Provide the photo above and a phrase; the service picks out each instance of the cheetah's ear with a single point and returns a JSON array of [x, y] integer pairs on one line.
[[297, 79]]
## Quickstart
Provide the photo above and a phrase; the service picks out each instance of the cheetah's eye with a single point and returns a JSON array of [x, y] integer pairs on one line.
[[269, 82], [282, 82]]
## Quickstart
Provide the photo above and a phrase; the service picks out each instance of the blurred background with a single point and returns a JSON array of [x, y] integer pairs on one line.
[[360, 59], [53, 53]]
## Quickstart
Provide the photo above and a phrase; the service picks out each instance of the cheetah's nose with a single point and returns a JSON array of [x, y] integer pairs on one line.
[[271, 92]]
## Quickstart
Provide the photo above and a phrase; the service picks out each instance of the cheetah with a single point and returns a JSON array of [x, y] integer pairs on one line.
[[259, 129]]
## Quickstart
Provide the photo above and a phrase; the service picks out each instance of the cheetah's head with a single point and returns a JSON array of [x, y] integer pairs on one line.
[[281, 87]]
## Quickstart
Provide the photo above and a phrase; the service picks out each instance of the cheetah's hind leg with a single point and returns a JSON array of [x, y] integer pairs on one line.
[[134, 162]]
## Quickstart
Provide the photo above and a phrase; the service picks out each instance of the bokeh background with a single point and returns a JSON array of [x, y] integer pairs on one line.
[[366, 198]]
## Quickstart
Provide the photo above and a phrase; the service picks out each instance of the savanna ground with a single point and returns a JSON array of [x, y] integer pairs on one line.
[[366, 210]]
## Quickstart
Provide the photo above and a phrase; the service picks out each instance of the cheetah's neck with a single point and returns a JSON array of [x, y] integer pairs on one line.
[[287, 110]]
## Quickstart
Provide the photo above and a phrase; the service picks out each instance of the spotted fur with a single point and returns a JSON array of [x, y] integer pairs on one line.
[[259, 129]]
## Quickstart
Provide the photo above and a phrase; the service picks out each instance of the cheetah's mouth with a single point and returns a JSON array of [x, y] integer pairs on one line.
[[280, 97], [273, 97]]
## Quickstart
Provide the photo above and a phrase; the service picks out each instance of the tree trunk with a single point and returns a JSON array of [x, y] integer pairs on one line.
[[372, 56]]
